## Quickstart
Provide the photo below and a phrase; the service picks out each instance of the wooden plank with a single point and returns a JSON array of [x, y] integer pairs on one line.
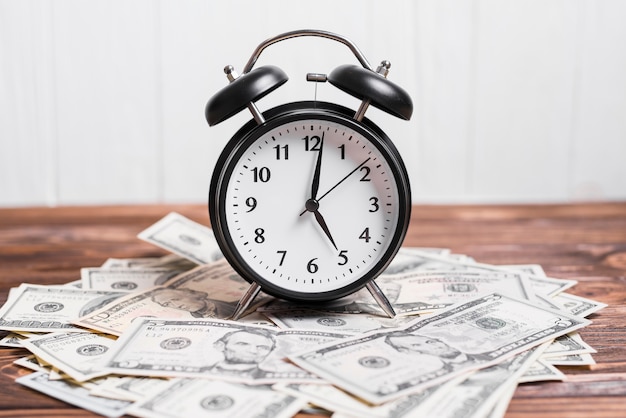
[[107, 101], [599, 129], [524, 73]]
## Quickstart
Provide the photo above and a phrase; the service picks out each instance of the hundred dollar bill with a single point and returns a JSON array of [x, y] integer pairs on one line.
[[182, 236], [124, 279], [73, 394], [384, 365], [199, 398], [40, 308], [335, 322], [215, 349], [79, 355], [208, 291]]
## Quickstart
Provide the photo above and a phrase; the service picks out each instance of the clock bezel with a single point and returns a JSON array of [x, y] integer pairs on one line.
[[275, 117]]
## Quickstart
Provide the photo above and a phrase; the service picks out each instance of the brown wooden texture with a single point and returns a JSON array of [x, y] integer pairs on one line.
[[586, 242]]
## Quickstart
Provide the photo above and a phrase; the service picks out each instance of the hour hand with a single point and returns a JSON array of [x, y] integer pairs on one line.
[[320, 220]]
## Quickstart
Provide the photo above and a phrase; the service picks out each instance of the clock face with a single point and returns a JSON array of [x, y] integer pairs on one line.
[[311, 206]]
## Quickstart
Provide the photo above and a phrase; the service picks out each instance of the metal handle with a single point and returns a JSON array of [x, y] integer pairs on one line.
[[307, 32]]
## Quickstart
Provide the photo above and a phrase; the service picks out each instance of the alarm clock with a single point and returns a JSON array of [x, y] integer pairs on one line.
[[309, 201]]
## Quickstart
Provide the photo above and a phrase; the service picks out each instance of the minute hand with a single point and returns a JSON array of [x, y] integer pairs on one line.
[[343, 179]]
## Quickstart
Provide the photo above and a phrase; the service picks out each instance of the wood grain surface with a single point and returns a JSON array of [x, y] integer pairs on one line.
[[585, 242]]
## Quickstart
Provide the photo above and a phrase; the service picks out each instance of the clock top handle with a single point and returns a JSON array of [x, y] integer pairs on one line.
[[306, 32]]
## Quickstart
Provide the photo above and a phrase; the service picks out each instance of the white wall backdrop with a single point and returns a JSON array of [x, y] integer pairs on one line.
[[102, 102]]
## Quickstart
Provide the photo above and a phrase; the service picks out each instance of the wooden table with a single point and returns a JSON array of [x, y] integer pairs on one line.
[[586, 242]]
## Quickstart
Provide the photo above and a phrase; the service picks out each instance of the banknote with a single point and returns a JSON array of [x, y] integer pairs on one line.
[[40, 308], [73, 394], [541, 371], [477, 395], [170, 262], [124, 279], [130, 388], [384, 365], [208, 291], [568, 344], [182, 236], [342, 403], [578, 305], [335, 322], [570, 360], [12, 340], [542, 285], [199, 398], [216, 349], [79, 355], [419, 292]]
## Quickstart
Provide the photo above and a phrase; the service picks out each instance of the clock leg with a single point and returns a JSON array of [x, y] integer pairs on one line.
[[380, 298], [245, 301]]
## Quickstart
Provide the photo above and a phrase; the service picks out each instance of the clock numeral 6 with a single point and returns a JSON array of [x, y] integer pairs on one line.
[[312, 267]]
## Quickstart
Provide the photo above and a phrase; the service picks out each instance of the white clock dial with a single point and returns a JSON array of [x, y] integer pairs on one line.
[[312, 205]]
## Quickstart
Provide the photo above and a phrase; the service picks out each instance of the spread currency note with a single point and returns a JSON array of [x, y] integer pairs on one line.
[[79, 355], [182, 236], [383, 365], [199, 398], [74, 394], [40, 308], [216, 349], [124, 279], [208, 291]]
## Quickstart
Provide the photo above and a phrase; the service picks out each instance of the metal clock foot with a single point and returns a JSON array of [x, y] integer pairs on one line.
[[245, 301], [380, 298]]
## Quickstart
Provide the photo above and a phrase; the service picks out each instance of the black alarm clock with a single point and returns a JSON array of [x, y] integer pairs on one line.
[[309, 201]]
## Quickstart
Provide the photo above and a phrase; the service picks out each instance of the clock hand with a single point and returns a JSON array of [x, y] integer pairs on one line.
[[316, 174], [338, 183], [313, 206], [343, 179], [320, 220]]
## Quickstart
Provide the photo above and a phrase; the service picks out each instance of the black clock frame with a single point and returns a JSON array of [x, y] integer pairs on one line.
[[277, 116]]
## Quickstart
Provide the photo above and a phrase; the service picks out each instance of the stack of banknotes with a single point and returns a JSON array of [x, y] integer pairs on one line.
[[150, 337]]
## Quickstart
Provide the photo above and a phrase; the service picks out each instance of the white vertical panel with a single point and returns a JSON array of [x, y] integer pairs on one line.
[[107, 101], [444, 37], [598, 166], [27, 118], [523, 96]]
